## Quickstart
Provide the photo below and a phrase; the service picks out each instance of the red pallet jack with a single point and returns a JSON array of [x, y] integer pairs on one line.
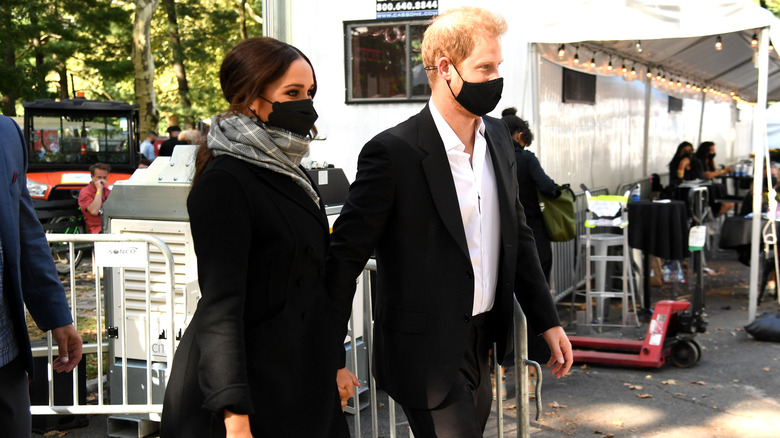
[[669, 335], [671, 331]]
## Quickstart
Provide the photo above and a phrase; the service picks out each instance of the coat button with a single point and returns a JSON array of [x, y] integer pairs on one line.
[[470, 275], [466, 317]]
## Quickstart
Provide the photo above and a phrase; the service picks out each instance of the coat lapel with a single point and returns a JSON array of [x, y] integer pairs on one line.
[[298, 196], [504, 168], [437, 171]]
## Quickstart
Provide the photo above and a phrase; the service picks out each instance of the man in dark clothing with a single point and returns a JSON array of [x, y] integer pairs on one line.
[[166, 148]]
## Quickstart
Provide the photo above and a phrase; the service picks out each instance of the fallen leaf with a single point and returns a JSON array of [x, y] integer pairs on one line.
[[649, 376], [585, 367], [766, 369], [617, 423], [510, 407], [669, 382], [556, 405], [634, 387], [644, 395], [679, 394], [700, 383]]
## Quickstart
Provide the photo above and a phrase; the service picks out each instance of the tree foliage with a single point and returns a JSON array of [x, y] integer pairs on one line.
[[52, 48]]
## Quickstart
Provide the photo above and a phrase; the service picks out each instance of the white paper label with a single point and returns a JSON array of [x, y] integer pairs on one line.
[[697, 237], [322, 177], [121, 254]]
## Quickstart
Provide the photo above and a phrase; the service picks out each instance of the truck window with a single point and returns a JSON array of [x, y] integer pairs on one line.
[[79, 140]]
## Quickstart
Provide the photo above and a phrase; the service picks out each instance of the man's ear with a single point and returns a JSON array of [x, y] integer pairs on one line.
[[444, 68]]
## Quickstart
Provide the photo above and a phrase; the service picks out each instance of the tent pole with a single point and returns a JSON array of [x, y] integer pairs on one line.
[[759, 138], [701, 116], [534, 60], [648, 97]]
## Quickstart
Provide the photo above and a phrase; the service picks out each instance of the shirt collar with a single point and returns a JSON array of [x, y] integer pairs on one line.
[[448, 136]]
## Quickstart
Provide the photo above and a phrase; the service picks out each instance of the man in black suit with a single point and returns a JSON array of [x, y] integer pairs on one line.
[[436, 199], [166, 148]]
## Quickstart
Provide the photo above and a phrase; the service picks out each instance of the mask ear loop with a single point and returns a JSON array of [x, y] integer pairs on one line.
[[257, 118]]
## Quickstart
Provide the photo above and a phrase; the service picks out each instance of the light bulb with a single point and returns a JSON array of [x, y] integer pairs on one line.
[[718, 44], [593, 62], [561, 51], [754, 41], [576, 58]]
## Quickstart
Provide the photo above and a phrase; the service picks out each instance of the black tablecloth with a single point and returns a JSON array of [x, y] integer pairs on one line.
[[737, 231], [659, 228]]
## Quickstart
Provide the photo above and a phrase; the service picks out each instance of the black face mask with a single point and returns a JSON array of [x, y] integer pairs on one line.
[[711, 156], [296, 116], [478, 98]]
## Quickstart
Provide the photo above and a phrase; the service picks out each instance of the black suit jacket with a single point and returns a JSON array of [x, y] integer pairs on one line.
[[403, 205], [259, 342]]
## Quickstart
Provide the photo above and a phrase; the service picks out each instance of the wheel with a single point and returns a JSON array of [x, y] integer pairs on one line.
[[685, 354], [60, 251], [698, 349]]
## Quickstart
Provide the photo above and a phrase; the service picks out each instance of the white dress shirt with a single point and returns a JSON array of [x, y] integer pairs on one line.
[[475, 183]]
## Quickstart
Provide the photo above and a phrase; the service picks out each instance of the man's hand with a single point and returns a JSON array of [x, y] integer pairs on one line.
[[237, 425], [69, 346], [346, 382], [561, 357]]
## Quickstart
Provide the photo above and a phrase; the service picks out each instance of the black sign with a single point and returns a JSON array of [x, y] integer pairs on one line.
[[393, 9]]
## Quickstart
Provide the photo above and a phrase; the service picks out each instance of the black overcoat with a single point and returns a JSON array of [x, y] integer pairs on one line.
[[262, 341]]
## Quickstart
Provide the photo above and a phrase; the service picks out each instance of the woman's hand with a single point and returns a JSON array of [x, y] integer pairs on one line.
[[237, 425]]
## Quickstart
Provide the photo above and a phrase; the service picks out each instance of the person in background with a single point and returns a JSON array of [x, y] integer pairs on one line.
[[435, 198], [704, 168], [530, 179], [147, 146], [166, 148], [681, 167], [93, 195], [29, 279], [262, 348], [143, 163], [190, 136]]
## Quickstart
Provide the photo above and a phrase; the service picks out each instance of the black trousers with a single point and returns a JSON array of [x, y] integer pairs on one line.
[[15, 420], [465, 410]]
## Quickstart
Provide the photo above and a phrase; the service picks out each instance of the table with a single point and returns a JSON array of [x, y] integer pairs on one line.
[[658, 228]]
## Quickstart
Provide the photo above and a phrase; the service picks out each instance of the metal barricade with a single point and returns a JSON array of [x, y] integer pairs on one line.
[[99, 347], [521, 374]]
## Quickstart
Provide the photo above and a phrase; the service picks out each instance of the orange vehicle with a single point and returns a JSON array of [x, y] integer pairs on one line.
[[65, 138]]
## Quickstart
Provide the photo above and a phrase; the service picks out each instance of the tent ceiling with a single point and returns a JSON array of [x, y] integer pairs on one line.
[[729, 69]]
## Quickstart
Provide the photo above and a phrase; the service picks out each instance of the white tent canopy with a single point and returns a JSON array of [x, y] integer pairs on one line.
[[672, 35]]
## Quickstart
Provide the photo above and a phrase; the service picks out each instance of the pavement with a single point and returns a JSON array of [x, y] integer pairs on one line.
[[733, 391]]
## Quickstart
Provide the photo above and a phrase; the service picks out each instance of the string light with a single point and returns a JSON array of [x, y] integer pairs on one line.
[[633, 71], [609, 66], [561, 51], [754, 41], [593, 61], [658, 76], [638, 46], [718, 43], [576, 58], [771, 47], [623, 68], [649, 73]]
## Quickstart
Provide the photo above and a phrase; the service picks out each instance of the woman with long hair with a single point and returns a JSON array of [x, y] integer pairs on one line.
[[261, 351]]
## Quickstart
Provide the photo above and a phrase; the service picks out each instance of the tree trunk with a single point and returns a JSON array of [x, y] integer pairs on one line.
[[63, 72], [9, 97], [242, 19], [178, 59], [40, 72], [143, 66]]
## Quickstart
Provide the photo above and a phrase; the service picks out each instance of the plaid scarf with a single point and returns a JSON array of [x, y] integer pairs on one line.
[[272, 148]]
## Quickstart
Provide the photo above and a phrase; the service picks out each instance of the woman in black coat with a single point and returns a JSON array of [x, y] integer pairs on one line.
[[260, 356], [531, 178]]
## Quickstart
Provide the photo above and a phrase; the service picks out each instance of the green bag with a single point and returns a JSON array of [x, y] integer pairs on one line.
[[560, 217]]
